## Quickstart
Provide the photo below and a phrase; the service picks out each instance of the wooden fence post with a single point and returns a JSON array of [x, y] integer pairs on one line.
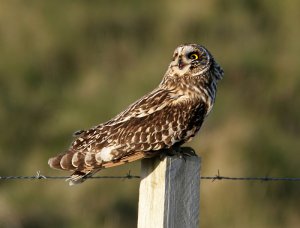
[[169, 193]]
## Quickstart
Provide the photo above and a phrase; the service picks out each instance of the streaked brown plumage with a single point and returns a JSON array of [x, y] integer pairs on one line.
[[167, 117]]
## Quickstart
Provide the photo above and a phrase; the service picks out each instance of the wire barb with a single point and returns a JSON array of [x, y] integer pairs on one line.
[[39, 175], [217, 177]]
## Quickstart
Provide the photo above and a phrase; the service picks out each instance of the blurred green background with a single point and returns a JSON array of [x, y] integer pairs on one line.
[[69, 65]]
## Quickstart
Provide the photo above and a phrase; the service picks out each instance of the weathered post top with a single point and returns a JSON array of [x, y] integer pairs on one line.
[[169, 193]]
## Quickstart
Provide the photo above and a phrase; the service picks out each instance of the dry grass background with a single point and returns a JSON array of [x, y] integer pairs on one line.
[[68, 65]]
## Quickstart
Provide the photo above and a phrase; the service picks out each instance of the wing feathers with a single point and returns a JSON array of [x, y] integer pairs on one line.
[[154, 122]]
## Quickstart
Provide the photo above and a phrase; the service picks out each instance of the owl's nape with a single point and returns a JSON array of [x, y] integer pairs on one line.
[[169, 116]]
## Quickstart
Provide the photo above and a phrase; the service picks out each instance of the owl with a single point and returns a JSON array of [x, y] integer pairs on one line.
[[164, 119]]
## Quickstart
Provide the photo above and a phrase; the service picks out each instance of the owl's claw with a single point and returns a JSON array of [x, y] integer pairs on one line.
[[188, 152], [180, 152]]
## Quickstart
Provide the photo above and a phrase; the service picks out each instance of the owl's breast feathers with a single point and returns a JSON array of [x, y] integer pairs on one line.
[[156, 121]]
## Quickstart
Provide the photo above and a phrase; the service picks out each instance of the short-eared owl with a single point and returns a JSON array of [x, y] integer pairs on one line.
[[165, 118]]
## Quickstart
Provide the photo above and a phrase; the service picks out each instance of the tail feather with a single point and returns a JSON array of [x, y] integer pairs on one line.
[[74, 161], [85, 165], [66, 162], [54, 162]]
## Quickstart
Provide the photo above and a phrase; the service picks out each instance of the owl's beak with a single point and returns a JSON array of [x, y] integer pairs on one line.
[[181, 64]]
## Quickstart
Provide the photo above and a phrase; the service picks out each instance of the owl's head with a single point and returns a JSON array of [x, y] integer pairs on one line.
[[194, 60]]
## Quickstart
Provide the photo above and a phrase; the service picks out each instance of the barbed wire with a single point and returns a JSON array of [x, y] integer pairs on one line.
[[266, 178], [39, 176], [218, 177]]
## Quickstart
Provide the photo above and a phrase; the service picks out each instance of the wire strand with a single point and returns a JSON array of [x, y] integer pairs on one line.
[[218, 177]]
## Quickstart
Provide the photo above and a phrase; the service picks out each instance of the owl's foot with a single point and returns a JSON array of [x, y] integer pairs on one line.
[[180, 152], [188, 151]]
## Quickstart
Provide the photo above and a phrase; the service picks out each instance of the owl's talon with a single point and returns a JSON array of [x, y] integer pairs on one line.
[[188, 152], [180, 152]]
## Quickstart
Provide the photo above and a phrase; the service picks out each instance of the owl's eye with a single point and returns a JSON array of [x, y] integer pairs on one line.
[[194, 56]]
